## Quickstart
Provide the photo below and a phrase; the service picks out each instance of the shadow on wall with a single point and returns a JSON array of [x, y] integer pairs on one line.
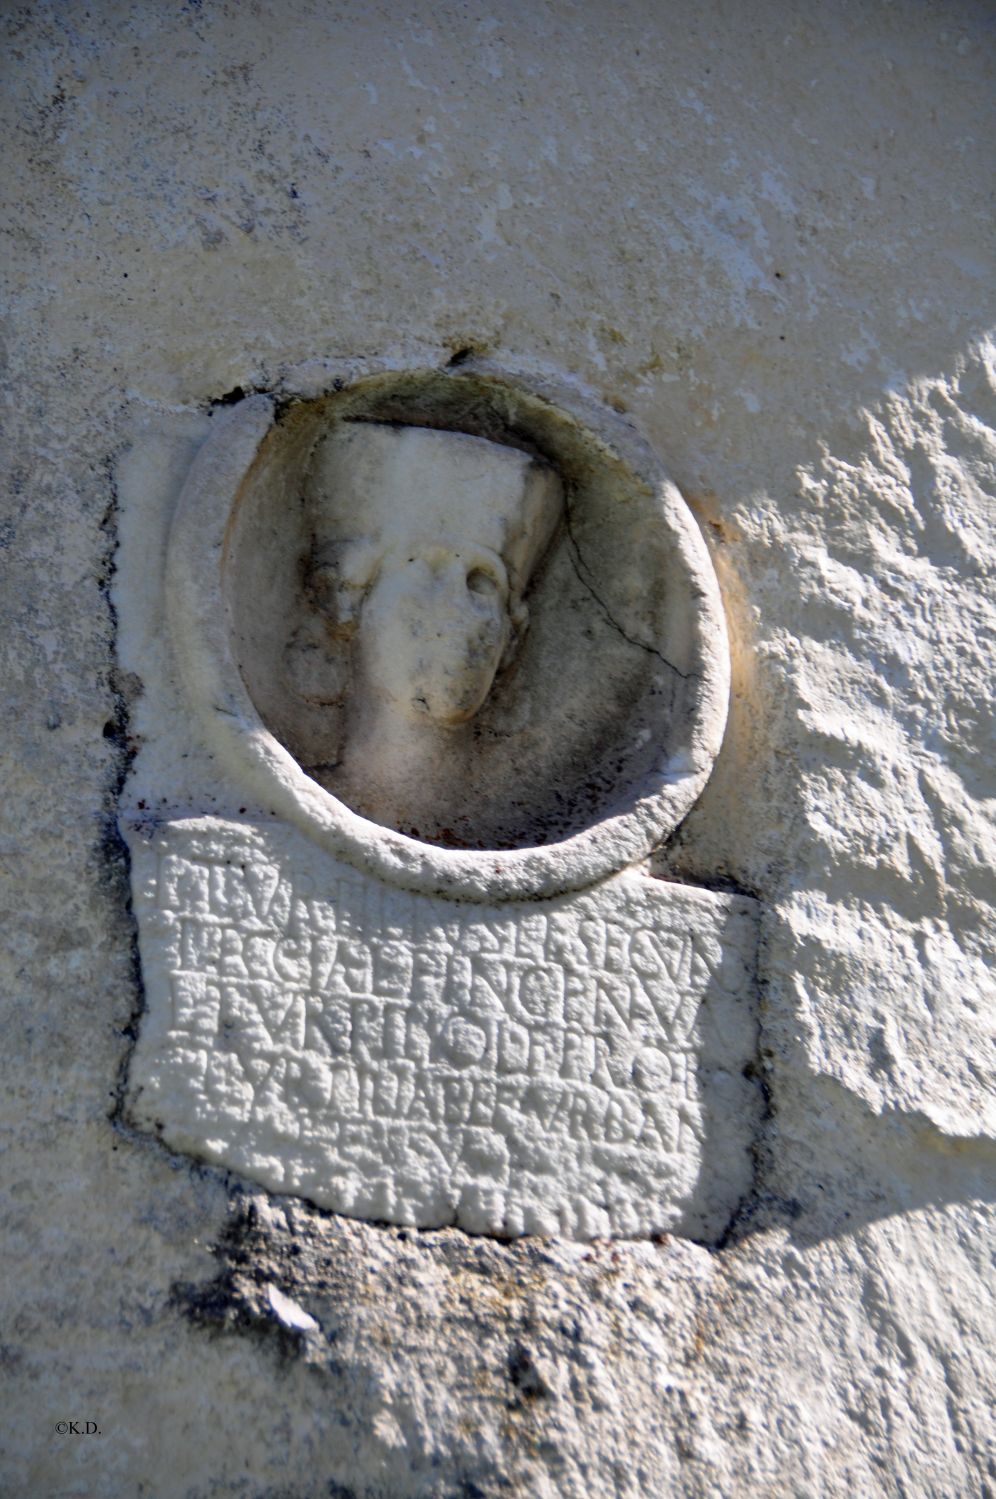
[[857, 1166]]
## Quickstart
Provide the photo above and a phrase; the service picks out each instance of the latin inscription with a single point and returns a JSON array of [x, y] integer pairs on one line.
[[569, 1066]]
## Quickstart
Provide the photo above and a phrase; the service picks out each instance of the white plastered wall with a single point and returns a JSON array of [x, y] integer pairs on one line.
[[764, 231]]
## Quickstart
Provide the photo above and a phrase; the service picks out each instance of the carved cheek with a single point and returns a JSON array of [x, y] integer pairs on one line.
[[471, 663], [475, 630]]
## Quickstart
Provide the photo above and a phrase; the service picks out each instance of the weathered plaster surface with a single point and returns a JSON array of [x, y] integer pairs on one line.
[[765, 232]]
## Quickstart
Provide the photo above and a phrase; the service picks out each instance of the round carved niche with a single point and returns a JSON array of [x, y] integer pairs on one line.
[[459, 627]]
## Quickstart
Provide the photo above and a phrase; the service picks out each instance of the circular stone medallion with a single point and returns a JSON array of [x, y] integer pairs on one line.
[[457, 626]]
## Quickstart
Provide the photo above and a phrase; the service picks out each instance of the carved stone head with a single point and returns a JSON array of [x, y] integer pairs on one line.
[[425, 542]]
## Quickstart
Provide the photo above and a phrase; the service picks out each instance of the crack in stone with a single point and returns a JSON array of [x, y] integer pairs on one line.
[[581, 570]]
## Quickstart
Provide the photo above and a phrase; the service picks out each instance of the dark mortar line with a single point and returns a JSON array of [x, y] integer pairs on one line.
[[112, 849], [738, 1225], [744, 1211], [757, 1198], [284, 400]]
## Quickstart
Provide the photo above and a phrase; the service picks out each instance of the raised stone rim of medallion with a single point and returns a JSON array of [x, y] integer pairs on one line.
[[199, 625]]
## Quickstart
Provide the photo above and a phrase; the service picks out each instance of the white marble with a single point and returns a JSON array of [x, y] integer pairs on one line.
[[339, 619], [359, 593], [572, 1066], [424, 545]]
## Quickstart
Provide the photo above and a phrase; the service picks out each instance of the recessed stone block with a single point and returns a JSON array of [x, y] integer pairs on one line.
[[431, 664]]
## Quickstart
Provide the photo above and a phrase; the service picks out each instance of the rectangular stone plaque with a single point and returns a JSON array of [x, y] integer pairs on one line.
[[570, 1066]]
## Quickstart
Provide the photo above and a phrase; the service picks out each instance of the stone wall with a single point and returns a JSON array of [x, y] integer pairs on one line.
[[761, 233]]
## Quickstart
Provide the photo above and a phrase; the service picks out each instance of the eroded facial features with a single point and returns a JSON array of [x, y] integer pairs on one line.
[[428, 605], [435, 629], [340, 580]]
